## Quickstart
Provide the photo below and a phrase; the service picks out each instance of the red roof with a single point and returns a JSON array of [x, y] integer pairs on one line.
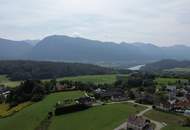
[[182, 104]]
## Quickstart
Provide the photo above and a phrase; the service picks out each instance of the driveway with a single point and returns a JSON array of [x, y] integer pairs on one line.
[[158, 125]]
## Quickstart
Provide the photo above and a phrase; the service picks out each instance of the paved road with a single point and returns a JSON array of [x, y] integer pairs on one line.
[[158, 125]]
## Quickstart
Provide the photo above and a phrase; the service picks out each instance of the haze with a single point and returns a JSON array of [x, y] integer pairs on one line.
[[162, 22]]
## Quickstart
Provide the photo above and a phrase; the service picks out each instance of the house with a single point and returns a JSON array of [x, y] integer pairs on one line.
[[182, 104], [64, 87], [86, 100], [4, 92], [138, 123], [145, 98], [165, 105], [115, 94], [171, 92]]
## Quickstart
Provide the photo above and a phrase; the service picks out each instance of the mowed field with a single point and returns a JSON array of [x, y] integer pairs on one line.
[[166, 81], [97, 79], [30, 117], [171, 120], [185, 70], [5, 81], [105, 117], [101, 117]]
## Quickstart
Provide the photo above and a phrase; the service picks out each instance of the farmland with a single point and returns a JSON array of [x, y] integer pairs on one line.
[[30, 117], [185, 70], [166, 81], [5, 81], [171, 120], [101, 117], [105, 117], [97, 79]]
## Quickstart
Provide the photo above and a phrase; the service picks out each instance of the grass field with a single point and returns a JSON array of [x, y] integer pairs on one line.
[[97, 118], [171, 120], [187, 70], [166, 81], [5, 81], [30, 117], [97, 79]]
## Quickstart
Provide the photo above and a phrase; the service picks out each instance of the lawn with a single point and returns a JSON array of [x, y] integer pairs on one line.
[[30, 117], [5, 81], [97, 79], [105, 117], [171, 120]]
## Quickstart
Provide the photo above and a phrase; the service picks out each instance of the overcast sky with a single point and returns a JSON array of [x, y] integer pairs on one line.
[[163, 22]]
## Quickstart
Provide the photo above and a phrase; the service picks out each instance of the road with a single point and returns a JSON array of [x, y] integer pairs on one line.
[[158, 125]]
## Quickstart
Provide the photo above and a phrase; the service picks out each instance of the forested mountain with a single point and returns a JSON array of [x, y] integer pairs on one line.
[[24, 70], [13, 49], [84, 50], [70, 49]]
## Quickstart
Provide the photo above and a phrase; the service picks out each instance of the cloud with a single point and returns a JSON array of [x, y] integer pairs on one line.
[[163, 22]]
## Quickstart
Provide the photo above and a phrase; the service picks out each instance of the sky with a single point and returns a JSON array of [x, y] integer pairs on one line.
[[161, 22]]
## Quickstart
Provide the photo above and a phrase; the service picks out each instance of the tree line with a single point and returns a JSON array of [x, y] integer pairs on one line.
[[36, 70]]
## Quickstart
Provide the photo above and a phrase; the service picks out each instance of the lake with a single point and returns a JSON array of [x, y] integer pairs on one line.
[[137, 67]]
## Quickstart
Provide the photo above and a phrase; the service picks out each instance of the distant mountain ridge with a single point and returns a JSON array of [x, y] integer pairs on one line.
[[10, 49], [65, 48]]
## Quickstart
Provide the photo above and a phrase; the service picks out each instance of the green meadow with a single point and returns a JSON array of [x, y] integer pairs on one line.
[[168, 81], [5, 81], [171, 120], [97, 79], [187, 70], [105, 117], [30, 117]]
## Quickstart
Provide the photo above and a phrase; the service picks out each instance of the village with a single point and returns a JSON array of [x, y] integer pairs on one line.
[[174, 99]]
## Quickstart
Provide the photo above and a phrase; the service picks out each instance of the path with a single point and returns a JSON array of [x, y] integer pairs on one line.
[[158, 125]]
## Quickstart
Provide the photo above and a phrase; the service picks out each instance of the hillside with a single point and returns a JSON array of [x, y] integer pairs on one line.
[[166, 64], [22, 70]]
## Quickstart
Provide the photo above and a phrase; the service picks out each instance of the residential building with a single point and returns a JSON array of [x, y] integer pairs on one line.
[[138, 123]]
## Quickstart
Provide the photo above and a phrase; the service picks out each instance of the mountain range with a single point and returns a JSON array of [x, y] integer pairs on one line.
[[75, 49]]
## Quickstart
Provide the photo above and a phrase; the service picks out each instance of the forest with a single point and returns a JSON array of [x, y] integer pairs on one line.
[[36, 70]]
